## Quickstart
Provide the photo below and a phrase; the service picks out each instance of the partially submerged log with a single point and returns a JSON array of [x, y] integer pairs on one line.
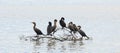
[[34, 38]]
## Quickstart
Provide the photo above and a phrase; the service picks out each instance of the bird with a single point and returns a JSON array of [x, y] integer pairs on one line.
[[75, 28], [49, 28], [81, 32], [72, 27], [54, 26], [38, 31], [62, 23]]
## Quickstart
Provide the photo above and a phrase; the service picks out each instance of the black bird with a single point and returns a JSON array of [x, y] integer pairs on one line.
[[82, 32], [49, 28], [75, 28], [38, 32], [62, 23], [70, 26]]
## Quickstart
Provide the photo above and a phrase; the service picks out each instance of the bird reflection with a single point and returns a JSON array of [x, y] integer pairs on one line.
[[36, 45], [81, 43], [74, 45], [51, 44], [63, 48], [37, 42]]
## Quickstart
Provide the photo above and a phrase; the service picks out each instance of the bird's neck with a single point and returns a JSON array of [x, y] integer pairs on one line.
[[50, 25], [34, 26], [55, 24]]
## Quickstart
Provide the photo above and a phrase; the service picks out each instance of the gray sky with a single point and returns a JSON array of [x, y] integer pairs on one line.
[[57, 2], [38, 8]]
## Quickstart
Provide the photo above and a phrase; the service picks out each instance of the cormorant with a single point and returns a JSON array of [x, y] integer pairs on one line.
[[70, 26], [38, 32], [49, 28], [82, 32], [62, 23], [75, 28], [54, 26]]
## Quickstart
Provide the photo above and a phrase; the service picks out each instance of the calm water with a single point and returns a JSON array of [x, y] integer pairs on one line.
[[104, 32]]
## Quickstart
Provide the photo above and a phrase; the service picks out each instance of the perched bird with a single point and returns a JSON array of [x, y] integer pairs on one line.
[[75, 28], [54, 26], [70, 26], [82, 32], [49, 28], [38, 32], [62, 23]]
